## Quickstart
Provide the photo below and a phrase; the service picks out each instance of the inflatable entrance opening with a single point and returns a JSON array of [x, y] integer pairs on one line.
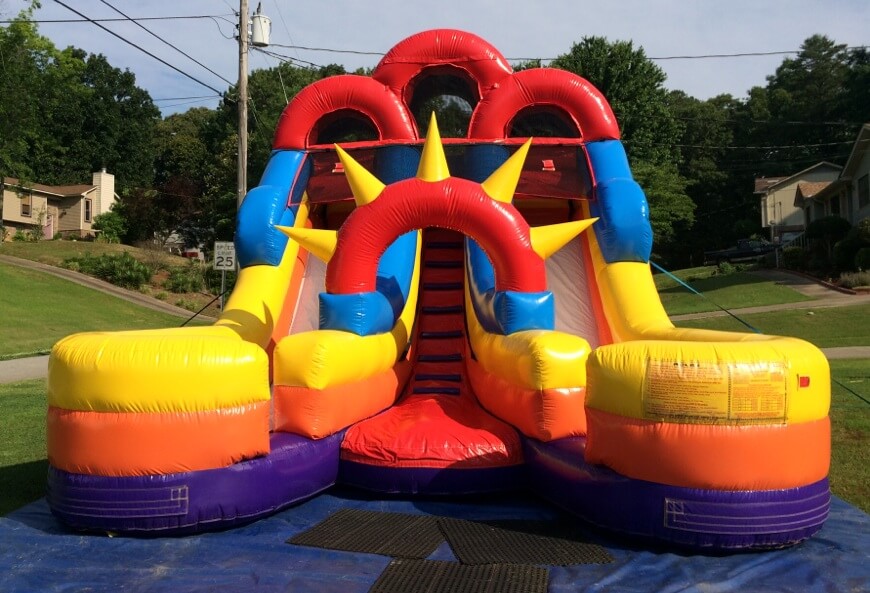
[[472, 312]]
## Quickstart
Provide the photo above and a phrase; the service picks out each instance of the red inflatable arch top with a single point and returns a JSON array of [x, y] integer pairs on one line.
[[452, 203], [363, 96], [474, 57], [384, 99], [572, 95]]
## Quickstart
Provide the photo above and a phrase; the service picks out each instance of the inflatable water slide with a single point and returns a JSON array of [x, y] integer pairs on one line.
[[460, 315]]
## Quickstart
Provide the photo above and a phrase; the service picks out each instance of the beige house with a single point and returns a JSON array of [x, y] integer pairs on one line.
[[849, 195], [68, 210], [782, 199]]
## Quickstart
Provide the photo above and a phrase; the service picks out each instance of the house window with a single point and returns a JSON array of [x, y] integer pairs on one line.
[[835, 205], [864, 191], [27, 205], [88, 211]]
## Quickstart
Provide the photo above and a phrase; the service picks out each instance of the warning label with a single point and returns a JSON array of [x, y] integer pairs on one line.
[[714, 392]]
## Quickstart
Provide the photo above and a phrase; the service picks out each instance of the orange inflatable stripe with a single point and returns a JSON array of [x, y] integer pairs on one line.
[[724, 457], [318, 413], [543, 414], [138, 444]]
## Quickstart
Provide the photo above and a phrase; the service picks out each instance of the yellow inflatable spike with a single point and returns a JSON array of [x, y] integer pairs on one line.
[[547, 240], [365, 187], [319, 242], [501, 184], [433, 163]]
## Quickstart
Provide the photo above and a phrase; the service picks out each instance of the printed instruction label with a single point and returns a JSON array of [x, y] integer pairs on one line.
[[714, 392]]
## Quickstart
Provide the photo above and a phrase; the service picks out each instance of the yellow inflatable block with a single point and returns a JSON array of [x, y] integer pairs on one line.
[[534, 359], [326, 358], [777, 381], [177, 370]]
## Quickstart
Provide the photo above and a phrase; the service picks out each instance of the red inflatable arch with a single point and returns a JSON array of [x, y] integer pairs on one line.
[[454, 203], [301, 120], [442, 50], [571, 94]]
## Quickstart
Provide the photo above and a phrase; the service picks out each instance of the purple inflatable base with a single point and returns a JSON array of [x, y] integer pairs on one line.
[[296, 469], [698, 519], [431, 481]]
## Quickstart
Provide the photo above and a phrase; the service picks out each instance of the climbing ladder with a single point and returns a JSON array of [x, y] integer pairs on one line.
[[439, 350]]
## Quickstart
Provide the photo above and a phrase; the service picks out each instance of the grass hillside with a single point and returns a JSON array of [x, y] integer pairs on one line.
[[170, 275], [39, 309]]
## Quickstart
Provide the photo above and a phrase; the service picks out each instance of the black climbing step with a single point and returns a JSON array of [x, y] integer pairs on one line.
[[443, 310], [444, 335], [444, 265], [442, 286], [444, 244], [452, 378], [439, 358], [435, 391]]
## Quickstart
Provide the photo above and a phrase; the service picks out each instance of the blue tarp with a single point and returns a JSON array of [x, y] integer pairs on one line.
[[38, 554]]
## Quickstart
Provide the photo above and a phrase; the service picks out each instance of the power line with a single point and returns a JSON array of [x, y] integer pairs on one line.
[[653, 58], [734, 147], [145, 51], [288, 59], [185, 98], [158, 37], [116, 20]]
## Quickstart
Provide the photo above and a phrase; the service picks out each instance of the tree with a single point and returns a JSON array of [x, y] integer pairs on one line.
[[24, 54], [65, 114]]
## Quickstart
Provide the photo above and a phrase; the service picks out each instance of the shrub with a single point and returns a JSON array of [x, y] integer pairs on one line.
[[213, 280], [845, 251], [855, 279], [187, 279], [112, 226], [187, 304], [862, 259], [725, 268], [120, 269], [20, 236], [794, 258]]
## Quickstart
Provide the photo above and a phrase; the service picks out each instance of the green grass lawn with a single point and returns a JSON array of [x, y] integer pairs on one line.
[[23, 464], [729, 291], [39, 309], [850, 431], [826, 327]]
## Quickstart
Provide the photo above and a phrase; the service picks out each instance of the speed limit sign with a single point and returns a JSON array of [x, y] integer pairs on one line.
[[224, 255]]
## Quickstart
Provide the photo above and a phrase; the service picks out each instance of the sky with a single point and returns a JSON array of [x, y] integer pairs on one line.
[[519, 30]]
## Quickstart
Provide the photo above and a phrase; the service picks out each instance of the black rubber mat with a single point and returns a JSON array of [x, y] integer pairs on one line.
[[371, 532], [432, 576], [550, 543]]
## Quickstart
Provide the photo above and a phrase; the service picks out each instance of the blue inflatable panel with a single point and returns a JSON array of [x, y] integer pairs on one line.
[[623, 231], [395, 163], [362, 313], [521, 311], [38, 554], [481, 160], [258, 242], [504, 312]]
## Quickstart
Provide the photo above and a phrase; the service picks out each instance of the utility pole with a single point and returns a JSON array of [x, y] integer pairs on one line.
[[242, 177], [260, 33]]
